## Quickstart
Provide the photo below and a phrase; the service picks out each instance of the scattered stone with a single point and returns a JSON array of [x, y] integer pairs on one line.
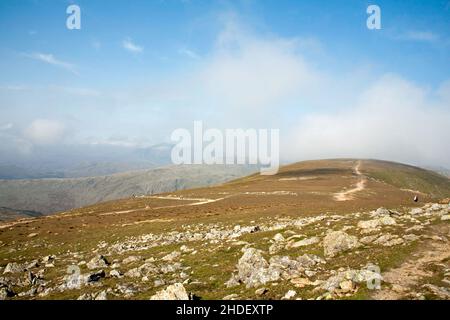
[[232, 296], [131, 259], [144, 270], [411, 237], [94, 296], [32, 235], [338, 283], [159, 283], [98, 262], [416, 211], [172, 292], [171, 256], [278, 237], [32, 264], [276, 247], [445, 217], [289, 295], [382, 212], [389, 240], [305, 242], [115, 274], [185, 249], [48, 259], [347, 286], [301, 282], [339, 241], [14, 267], [375, 223], [253, 270], [310, 260], [441, 292], [261, 291], [126, 290], [102, 295], [369, 239]]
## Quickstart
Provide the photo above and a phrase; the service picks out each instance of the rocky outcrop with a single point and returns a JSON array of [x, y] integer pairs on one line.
[[338, 241]]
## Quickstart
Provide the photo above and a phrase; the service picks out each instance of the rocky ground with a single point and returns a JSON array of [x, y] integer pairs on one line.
[[379, 254]]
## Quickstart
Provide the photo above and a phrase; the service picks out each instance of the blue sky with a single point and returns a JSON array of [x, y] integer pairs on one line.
[[139, 69]]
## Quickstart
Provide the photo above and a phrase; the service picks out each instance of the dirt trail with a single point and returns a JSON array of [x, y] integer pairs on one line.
[[409, 273], [199, 201], [361, 185]]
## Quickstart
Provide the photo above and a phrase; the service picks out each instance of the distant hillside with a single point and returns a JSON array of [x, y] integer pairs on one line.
[[55, 195], [409, 177], [441, 170], [78, 161], [12, 214]]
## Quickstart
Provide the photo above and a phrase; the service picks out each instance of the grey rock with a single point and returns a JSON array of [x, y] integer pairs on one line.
[[98, 262], [338, 241], [172, 292]]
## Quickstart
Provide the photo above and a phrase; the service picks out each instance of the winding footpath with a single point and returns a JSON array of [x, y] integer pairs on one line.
[[360, 185]]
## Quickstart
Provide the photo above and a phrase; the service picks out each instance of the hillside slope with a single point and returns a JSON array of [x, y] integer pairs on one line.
[[328, 229]]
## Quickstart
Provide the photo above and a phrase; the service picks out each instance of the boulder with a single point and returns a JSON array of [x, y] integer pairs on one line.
[[338, 241], [375, 223], [416, 211], [14, 267], [278, 237], [305, 242], [98, 262], [253, 270], [289, 295], [171, 256], [131, 259], [172, 292]]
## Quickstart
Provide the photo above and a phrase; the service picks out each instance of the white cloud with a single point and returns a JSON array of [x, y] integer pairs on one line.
[[128, 44], [189, 53], [6, 126], [50, 59], [44, 131], [250, 75], [393, 120], [424, 36], [250, 79]]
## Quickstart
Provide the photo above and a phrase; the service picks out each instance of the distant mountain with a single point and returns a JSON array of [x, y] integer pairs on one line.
[[441, 170], [55, 195], [77, 161]]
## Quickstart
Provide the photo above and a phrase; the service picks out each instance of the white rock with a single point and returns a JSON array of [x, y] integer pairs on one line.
[[305, 242], [278, 237], [173, 292], [290, 294], [339, 241]]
